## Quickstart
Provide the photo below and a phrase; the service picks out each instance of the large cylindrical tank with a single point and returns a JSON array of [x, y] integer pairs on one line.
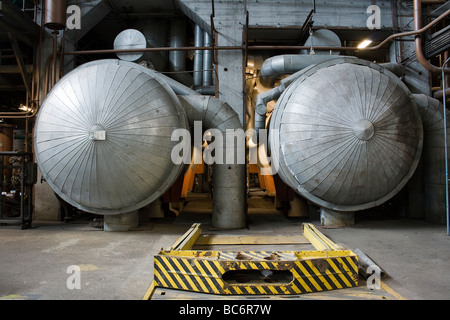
[[346, 135], [103, 137]]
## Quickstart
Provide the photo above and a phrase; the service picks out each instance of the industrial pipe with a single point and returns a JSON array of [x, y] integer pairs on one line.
[[228, 179], [270, 95], [418, 41], [207, 61], [177, 58], [155, 31], [229, 184], [198, 56], [395, 68], [55, 14], [445, 146], [276, 47], [291, 63], [440, 94]]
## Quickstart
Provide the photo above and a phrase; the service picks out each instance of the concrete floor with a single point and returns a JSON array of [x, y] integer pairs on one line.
[[118, 265]]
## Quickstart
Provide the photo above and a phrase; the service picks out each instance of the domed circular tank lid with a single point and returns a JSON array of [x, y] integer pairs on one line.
[[322, 38], [103, 137], [350, 135], [130, 39]]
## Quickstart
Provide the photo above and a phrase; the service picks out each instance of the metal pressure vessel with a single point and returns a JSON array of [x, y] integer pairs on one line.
[[103, 137], [346, 134]]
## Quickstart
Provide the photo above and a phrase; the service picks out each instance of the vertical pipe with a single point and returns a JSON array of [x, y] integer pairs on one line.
[[198, 56], [177, 59], [445, 146], [228, 176], [55, 45], [155, 31], [447, 75], [207, 61]]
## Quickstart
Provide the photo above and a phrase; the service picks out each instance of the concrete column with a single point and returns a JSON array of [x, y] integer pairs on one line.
[[230, 69], [121, 222], [333, 218]]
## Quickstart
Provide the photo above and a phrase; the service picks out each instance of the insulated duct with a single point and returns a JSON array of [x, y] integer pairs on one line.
[[228, 179], [177, 59], [198, 56], [207, 61], [291, 63], [156, 33]]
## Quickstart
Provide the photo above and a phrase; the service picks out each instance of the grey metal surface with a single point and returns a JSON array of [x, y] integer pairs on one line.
[[156, 33], [177, 59], [130, 39], [349, 135], [433, 179], [103, 137], [290, 63], [198, 56], [207, 61]]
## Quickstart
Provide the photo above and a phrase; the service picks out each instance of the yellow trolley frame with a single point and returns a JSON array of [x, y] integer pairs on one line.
[[328, 267]]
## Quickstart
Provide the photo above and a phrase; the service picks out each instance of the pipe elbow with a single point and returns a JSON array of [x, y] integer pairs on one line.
[[224, 117], [212, 112], [272, 66]]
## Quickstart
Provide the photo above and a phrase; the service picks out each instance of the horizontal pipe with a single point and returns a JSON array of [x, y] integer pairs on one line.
[[291, 63], [395, 68], [219, 48], [440, 94]]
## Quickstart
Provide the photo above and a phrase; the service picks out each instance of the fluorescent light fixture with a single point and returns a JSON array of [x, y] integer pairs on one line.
[[364, 44], [24, 108]]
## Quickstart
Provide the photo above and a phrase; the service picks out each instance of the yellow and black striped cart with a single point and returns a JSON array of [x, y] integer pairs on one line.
[[249, 272]]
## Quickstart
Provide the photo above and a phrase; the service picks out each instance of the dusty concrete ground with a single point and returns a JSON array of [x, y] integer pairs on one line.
[[118, 265]]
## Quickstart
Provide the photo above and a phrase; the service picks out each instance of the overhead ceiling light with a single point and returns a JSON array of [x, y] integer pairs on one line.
[[364, 44], [24, 108]]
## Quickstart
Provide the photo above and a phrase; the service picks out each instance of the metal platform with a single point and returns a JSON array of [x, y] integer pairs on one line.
[[322, 266]]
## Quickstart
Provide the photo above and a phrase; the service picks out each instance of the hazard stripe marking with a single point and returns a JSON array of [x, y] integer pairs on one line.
[[206, 275]]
